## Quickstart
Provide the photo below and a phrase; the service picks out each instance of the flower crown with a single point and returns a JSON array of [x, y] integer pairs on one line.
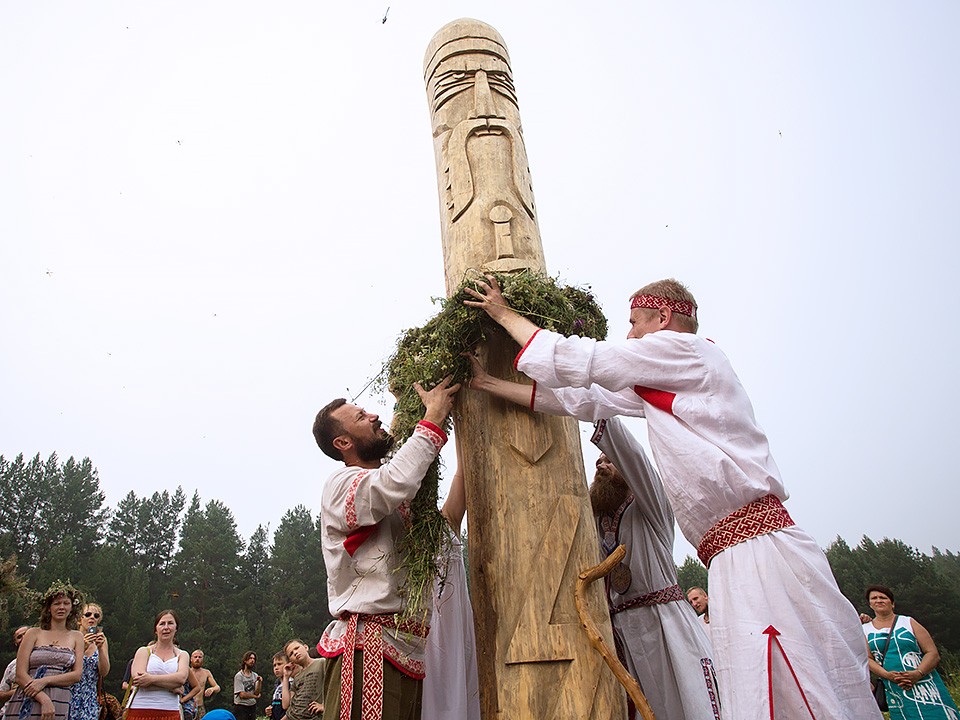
[[60, 588]]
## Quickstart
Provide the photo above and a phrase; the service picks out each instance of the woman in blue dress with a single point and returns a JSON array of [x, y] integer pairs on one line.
[[85, 703], [909, 659]]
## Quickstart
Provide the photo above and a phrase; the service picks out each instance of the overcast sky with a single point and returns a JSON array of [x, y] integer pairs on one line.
[[215, 217]]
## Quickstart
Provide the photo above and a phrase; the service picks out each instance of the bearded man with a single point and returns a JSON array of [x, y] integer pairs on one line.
[[658, 637], [365, 509], [205, 681]]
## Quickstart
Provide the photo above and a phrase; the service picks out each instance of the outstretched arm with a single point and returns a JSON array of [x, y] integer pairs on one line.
[[491, 301], [505, 389], [587, 404], [455, 505]]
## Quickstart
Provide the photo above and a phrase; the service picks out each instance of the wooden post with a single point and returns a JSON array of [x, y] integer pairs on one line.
[[530, 522]]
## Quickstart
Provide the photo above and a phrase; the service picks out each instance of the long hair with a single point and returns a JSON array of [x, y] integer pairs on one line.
[[246, 656], [60, 589]]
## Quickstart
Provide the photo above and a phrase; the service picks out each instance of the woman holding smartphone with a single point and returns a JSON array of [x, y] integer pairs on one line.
[[85, 704]]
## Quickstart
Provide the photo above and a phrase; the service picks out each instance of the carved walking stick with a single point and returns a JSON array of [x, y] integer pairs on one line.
[[586, 622]]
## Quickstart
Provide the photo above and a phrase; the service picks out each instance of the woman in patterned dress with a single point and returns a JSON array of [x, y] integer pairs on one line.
[[914, 688], [50, 658], [85, 705]]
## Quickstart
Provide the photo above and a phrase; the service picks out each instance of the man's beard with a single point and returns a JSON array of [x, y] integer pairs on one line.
[[377, 449], [608, 491]]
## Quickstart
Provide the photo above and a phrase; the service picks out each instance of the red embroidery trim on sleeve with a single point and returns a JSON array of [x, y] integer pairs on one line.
[[517, 358], [350, 511], [432, 433]]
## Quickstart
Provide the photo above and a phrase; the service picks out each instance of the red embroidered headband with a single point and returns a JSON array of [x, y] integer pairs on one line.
[[655, 302]]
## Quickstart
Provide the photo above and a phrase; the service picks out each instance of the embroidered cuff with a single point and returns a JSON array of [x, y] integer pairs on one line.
[[431, 432], [598, 429]]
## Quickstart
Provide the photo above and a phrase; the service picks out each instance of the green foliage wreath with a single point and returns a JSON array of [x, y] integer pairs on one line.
[[430, 353]]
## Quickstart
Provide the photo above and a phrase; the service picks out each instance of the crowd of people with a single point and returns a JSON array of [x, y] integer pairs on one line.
[[60, 665], [777, 638]]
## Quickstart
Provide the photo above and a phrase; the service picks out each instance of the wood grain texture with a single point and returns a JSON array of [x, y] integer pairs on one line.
[[530, 523]]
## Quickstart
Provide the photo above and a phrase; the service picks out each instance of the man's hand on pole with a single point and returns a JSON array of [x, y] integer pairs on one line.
[[437, 401], [491, 301]]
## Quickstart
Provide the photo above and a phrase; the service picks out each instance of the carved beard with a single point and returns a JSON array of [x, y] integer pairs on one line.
[[368, 450], [608, 491]]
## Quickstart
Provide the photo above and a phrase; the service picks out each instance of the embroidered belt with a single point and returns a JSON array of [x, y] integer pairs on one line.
[[371, 639], [657, 597], [754, 519]]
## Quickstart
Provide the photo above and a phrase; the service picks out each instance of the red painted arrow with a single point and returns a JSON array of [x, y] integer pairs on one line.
[[773, 637]]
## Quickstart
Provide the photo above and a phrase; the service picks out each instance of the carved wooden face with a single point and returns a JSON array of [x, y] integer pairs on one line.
[[471, 86]]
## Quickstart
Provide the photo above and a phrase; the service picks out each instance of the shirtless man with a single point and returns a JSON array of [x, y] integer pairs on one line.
[[208, 686]]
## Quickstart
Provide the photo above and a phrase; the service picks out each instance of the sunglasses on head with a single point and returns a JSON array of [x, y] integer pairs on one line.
[[92, 614]]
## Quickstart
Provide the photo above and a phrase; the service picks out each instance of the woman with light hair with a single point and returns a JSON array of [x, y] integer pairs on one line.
[[85, 703], [50, 658]]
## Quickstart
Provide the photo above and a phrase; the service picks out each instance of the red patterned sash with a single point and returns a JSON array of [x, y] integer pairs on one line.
[[754, 519], [371, 640], [657, 597]]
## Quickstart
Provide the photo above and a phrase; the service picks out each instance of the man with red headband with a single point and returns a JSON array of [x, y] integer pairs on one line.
[[786, 642]]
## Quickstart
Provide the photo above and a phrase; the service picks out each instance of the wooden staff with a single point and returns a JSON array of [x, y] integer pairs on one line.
[[590, 627]]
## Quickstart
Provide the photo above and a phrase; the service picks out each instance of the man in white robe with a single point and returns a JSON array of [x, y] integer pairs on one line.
[[785, 641], [659, 638], [377, 662], [664, 645]]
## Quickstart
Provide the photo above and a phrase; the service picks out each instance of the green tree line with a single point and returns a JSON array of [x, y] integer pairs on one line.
[[159, 551]]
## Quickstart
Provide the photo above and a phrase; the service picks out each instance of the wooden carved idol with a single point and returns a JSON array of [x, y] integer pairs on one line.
[[529, 517]]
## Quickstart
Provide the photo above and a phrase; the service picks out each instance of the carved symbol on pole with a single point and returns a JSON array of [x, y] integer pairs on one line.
[[536, 639], [773, 637], [500, 216]]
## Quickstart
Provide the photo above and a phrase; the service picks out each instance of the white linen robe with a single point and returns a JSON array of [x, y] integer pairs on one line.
[[714, 459], [667, 650]]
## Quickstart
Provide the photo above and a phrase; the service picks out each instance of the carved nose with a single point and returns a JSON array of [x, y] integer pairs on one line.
[[483, 103]]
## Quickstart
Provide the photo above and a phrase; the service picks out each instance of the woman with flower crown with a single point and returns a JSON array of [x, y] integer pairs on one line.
[[50, 658]]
